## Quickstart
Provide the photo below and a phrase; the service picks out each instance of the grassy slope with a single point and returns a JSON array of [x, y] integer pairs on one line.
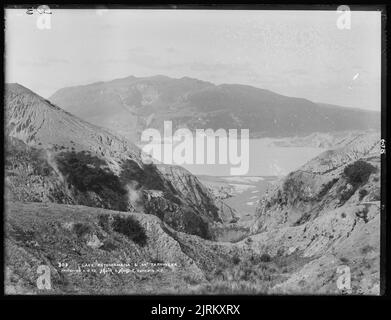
[[49, 234]]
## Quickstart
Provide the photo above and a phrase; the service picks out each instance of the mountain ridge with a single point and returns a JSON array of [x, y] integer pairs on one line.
[[206, 82], [129, 105]]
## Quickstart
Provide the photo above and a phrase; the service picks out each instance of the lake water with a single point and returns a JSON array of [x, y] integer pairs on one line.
[[264, 159]]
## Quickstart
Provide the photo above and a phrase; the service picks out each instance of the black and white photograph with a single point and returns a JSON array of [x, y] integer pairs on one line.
[[193, 151]]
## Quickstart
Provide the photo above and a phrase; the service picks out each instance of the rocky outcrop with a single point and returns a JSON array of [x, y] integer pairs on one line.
[[200, 198], [328, 212], [321, 185], [361, 145], [348, 236], [324, 140]]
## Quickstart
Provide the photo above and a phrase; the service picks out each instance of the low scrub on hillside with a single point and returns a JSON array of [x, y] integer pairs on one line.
[[82, 229], [89, 173], [362, 193], [358, 172], [253, 275], [17, 154], [147, 177], [126, 225], [131, 228]]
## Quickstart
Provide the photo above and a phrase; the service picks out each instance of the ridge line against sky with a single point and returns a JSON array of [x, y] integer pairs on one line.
[[293, 53]]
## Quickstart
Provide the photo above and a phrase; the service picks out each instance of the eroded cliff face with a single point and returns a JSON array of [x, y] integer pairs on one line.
[[54, 156], [39, 123], [329, 212], [322, 185], [348, 236], [196, 194]]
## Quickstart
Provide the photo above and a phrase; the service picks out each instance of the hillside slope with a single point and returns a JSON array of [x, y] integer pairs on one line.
[[68, 160], [329, 212], [322, 184], [98, 251]]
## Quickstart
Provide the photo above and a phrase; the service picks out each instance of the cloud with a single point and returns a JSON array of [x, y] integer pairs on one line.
[[297, 72], [171, 50]]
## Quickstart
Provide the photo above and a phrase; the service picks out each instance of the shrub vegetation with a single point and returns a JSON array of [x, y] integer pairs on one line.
[[358, 172], [131, 228], [89, 173]]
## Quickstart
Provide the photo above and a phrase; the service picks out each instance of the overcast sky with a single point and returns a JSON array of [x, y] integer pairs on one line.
[[295, 53]]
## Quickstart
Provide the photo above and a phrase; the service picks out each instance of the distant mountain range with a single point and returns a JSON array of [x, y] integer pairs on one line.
[[131, 104]]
